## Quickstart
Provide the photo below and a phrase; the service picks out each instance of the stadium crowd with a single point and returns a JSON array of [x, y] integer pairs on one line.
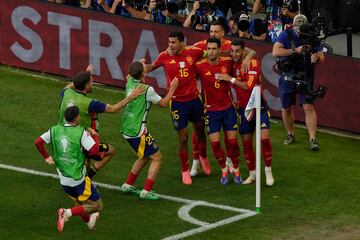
[[199, 14]]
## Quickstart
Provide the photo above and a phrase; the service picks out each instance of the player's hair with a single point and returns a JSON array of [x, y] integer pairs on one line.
[[136, 70], [81, 79], [238, 42], [71, 113], [218, 23], [214, 40], [177, 34]]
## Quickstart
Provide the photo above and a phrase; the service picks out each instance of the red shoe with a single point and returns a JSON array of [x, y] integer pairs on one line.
[[186, 178], [205, 166], [62, 219]]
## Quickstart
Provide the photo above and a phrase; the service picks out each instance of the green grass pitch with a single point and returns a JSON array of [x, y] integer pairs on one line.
[[316, 194]]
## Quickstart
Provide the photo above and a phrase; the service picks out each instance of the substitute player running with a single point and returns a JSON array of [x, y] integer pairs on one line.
[[68, 142], [186, 106], [135, 130], [220, 112], [76, 93], [245, 82]]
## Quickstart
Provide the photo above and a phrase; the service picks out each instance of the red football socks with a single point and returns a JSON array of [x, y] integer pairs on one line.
[[195, 149], [249, 154], [149, 184], [219, 154], [234, 152], [77, 210], [184, 160], [267, 151], [131, 178]]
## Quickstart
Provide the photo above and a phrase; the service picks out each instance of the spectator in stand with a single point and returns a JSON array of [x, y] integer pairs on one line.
[[111, 6], [202, 15], [232, 25], [236, 6]]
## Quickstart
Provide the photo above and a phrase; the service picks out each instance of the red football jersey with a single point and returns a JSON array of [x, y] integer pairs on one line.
[[216, 92], [181, 66], [252, 77], [225, 45]]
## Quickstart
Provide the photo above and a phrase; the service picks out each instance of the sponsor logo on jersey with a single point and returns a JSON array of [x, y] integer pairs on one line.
[[263, 125], [172, 61], [208, 73]]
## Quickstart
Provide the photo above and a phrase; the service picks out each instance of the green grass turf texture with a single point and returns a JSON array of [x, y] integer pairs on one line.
[[315, 193]]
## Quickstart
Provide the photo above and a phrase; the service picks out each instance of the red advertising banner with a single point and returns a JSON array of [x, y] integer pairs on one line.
[[63, 40]]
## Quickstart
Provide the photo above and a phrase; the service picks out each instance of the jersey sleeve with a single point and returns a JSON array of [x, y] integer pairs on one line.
[[46, 137], [152, 96], [97, 106], [160, 60], [253, 76], [87, 141]]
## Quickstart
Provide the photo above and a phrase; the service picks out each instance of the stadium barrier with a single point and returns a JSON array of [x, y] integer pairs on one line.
[[63, 40]]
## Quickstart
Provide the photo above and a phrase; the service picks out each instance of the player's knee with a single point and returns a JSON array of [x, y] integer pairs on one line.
[[183, 140], [156, 157]]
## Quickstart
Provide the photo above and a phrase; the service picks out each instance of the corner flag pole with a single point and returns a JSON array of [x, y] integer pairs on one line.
[[258, 146], [255, 104]]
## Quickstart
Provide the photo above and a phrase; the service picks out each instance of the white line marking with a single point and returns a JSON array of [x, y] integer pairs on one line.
[[183, 211]]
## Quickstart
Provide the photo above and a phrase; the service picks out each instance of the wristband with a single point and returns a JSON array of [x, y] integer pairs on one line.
[[233, 80]]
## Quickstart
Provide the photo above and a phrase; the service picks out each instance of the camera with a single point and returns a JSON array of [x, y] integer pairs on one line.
[[243, 22], [312, 35], [204, 19]]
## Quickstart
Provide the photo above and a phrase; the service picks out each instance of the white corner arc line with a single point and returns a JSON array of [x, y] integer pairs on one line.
[[183, 212]]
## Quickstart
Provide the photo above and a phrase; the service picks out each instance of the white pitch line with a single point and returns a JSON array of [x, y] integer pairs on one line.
[[211, 226], [183, 212]]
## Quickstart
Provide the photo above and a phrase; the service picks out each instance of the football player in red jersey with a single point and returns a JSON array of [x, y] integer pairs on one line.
[[245, 82], [179, 61], [217, 30], [220, 112]]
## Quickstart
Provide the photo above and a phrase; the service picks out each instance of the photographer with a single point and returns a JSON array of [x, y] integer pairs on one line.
[[255, 29], [202, 14], [296, 60]]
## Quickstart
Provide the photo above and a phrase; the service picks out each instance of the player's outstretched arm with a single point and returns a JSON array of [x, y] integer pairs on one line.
[[137, 91], [147, 67], [164, 102]]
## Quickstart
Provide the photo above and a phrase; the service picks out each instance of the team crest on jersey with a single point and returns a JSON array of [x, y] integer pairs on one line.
[[172, 61], [182, 64], [223, 69], [189, 60]]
